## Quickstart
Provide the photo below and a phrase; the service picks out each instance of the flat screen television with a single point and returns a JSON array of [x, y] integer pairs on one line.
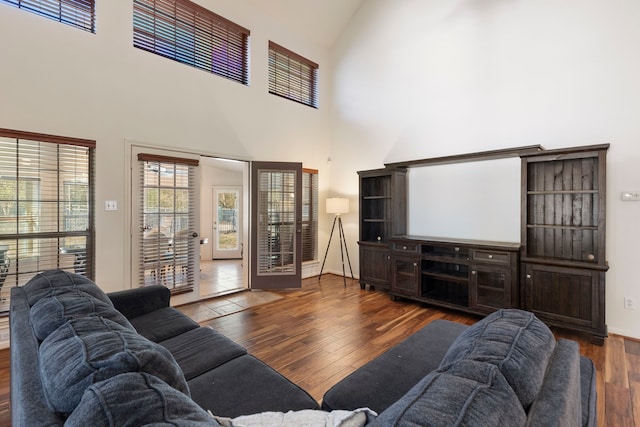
[[471, 200]]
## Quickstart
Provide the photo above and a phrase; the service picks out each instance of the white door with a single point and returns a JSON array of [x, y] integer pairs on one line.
[[165, 218], [227, 222]]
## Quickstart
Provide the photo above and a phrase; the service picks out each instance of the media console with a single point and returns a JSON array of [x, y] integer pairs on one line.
[[470, 275]]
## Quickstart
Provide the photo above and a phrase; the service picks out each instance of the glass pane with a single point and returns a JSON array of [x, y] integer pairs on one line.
[[227, 233], [276, 228], [167, 252]]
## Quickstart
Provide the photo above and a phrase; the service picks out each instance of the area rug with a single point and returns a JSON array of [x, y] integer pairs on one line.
[[228, 304]]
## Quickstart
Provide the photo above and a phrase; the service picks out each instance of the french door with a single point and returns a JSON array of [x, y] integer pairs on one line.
[[227, 222], [276, 225], [165, 214]]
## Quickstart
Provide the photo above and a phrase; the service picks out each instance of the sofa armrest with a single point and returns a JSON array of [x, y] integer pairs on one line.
[[29, 406], [559, 402], [136, 302]]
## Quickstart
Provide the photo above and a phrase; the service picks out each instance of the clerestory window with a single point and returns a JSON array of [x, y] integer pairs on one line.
[[186, 32], [292, 76], [77, 13]]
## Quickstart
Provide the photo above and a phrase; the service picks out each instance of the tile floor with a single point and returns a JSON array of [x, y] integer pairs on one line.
[[226, 304], [220, 277]]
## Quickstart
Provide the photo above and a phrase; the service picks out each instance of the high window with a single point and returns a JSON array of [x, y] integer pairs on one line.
[[309, 214], [292, 76], [188, 33], [77, 13], [46, 206]]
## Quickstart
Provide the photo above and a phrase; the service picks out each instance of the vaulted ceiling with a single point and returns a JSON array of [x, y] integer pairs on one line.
[[321, 21]]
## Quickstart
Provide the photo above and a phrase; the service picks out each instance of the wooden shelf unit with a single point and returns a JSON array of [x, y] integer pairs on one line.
[[383, 213], [559, 273]]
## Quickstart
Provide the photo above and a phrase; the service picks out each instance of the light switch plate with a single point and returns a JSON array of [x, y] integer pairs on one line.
[[631, 196], [110, 205]]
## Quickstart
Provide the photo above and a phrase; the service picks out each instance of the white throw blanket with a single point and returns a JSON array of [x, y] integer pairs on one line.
[[304, 418]]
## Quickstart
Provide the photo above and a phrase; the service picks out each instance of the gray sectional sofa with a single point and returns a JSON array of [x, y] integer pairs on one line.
[[89, 359], [81, 357]]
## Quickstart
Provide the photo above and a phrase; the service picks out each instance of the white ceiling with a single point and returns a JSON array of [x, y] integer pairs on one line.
[[321, 21]]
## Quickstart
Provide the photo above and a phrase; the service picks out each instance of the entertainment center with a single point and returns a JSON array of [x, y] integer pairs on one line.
[[557, 270]]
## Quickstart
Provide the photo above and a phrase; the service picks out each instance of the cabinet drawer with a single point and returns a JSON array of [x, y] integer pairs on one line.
[[405, 247], [494, 257]]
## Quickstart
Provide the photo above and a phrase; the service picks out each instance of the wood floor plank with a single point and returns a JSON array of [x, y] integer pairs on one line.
[[319, 334]]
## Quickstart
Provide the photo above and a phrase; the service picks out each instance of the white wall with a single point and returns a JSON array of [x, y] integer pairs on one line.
[[211, 176], [59, 80], [425, 78]]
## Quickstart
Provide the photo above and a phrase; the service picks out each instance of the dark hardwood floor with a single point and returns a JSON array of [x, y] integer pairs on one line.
[[317, 335]]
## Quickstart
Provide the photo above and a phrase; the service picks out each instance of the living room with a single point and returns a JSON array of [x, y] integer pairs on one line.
[[398, 81]]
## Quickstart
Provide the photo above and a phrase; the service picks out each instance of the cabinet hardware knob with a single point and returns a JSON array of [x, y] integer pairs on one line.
[[456, 249], [415, 264], [591, 257], [404, 248], [528, 276], [473, 272], [490, 256]]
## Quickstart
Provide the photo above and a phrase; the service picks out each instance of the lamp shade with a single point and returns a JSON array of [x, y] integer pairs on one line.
[[337, 205]]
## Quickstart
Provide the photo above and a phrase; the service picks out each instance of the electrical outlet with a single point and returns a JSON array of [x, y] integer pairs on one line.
[[629, 303]]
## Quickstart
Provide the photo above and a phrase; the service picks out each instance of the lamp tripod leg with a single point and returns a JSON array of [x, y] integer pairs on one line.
[[328, 244], [344, 239], [340, 232]]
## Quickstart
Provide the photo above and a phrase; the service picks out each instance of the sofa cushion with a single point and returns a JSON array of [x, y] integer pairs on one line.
[[52, 282], [469, 393], [385, 379], [86, 350], [517, 342], [135, 399], [53, 311], [160, 325], [246, 385], [201, 349]]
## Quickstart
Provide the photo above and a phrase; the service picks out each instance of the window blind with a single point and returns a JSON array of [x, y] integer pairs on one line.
[[77, 13], [309, 214], [46, 206], [292, 76], [188, 33], [167, 222]]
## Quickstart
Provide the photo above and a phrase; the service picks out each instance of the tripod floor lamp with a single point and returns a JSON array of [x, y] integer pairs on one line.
[[337, 206]]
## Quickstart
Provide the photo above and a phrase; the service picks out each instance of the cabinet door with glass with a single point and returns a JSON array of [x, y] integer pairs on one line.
[[405, 275]]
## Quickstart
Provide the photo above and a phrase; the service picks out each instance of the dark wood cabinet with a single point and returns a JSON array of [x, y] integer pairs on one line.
[[374, 264], [557, 270], [383, 213], [566, 296], [563, 238], [471, 275]]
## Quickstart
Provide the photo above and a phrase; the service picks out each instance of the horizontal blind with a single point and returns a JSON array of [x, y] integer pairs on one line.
[[309, 214], [46, 206], [167, 223], [292, 76], [77, 13], [188, 33]]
